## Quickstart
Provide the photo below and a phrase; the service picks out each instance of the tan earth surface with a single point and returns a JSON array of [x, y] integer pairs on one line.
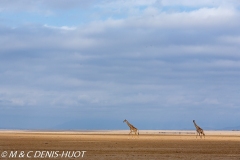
[[117, 145]]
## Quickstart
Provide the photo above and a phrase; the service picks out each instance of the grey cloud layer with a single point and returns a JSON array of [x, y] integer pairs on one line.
[[36, 6], [153, 63]]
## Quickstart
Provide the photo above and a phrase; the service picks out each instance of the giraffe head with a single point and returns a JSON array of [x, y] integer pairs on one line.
[[193, 121], [125, 121]]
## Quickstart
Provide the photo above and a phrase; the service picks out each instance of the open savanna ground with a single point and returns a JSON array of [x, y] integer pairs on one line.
[[118, 145]]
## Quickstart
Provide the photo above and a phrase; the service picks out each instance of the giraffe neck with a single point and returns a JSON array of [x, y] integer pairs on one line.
[[197, 127], [130, 125]]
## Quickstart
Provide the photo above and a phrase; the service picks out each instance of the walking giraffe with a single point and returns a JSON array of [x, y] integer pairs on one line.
[[199, 130], [132, 128]]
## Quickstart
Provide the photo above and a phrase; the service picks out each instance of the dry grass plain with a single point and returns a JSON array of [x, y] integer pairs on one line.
[[119, 146]]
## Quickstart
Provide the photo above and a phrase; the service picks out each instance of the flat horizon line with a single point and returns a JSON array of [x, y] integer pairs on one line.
[[125, 131]]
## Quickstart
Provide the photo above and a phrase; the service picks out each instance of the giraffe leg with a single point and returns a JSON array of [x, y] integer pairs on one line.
[[129, 134], [198, 134], [133, 133], [202, 134], [136, 133]]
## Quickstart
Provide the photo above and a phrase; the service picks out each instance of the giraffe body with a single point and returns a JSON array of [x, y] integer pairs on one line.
[[199, 130], [132, 128]]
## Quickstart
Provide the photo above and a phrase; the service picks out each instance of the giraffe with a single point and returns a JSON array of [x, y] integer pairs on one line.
[[132, 128], [199, 130]]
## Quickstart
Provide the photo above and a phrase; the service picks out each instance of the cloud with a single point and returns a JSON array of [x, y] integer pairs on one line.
[[199, 3], [62, 27], [33, 6], [149, 60]]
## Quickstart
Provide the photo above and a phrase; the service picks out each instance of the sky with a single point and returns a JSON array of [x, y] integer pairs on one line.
[[76, 64]]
